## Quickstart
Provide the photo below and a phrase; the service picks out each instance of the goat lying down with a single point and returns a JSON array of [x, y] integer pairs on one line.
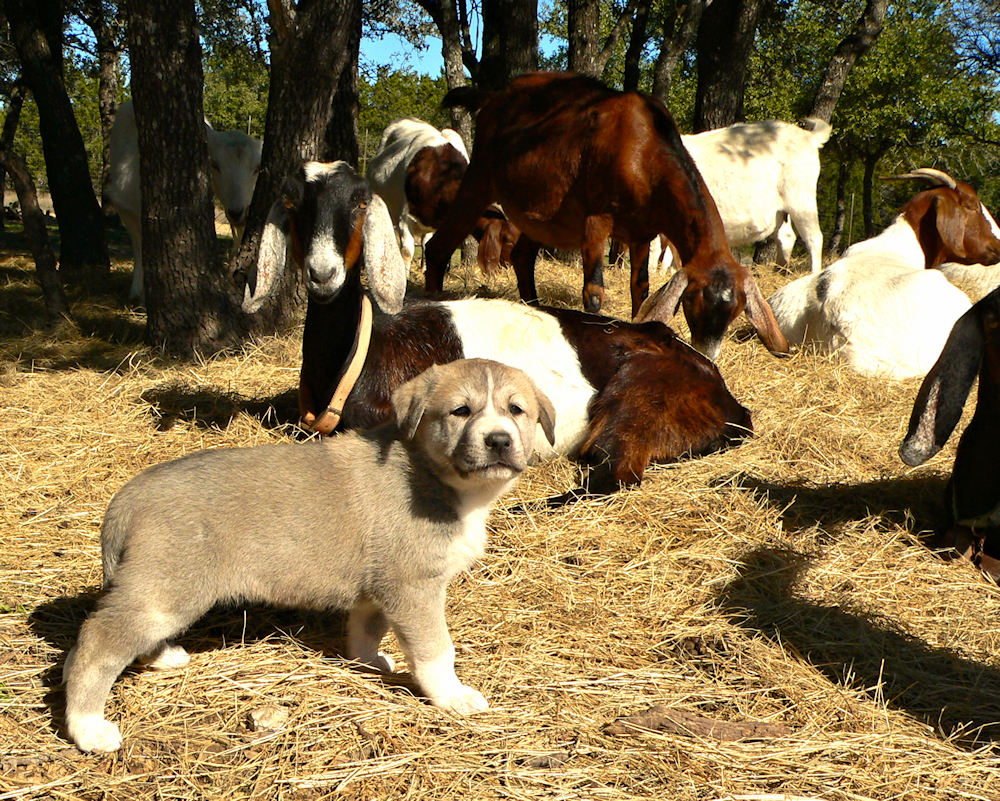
[[878, 306], [235, 161], [625, 394], [572, 163], [972, 500]]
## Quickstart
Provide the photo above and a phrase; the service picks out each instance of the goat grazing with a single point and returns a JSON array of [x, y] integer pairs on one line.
[[877, 305], [972, 499], [763, 175], [235, 162], [573, 162], [625, 394]]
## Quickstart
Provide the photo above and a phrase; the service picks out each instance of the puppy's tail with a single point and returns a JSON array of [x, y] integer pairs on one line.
[[113, 533]]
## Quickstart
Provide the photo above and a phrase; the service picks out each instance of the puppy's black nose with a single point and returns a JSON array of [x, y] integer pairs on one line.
[[499, 442]]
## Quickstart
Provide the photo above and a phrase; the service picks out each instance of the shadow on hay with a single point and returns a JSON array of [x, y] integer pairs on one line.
[[956, 696], [213, 408], [58, 623], [914, 503]]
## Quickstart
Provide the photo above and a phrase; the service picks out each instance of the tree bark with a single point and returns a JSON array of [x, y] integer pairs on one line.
[[850, 49], [725, 41], [342, 126], [840, 213], [678, 31], [36, 31], [636, 44], [510, 41], [583, 19], [310, 48], [447, 16], [868, 205], [37, 235], [191, 307]]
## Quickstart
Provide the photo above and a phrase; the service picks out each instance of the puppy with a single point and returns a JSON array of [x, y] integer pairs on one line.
[[376, 522]]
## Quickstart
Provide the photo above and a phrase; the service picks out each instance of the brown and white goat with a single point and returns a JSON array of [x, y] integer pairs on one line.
[[972, 500], [572, 163], [877, 305], [625, 394]]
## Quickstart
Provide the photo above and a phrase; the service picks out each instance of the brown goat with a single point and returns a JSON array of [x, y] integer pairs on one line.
[[573, 162], [973, 496]]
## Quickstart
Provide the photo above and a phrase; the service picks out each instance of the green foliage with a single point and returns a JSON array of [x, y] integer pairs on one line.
[[394, 94]]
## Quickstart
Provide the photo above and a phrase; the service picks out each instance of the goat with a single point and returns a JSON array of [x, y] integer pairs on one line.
[[973, 494], [573, 162], [235, 162], [625, 394], [416, 171], [877, 305], [762, 176]]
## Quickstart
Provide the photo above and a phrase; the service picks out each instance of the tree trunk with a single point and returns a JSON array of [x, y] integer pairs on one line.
[[191, 306], [36, 31], [106, 36], [868, 205], [53, 293], [678, 31], [725, 41], [636, 44], [583, 19], [840, 216], [850, 49], [510, 41], [448, 16], [342, 126], [310, 48]]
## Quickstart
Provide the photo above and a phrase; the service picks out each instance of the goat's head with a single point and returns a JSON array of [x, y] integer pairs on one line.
[[330, 222], [235, 162], [712, 299], [950, 221], [972, 349]]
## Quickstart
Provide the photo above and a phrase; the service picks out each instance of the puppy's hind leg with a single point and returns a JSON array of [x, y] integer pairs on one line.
[[366, 626], [109, 641], [420, 626]]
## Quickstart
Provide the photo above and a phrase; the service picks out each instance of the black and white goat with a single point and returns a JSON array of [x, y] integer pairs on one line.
[[625, 394]]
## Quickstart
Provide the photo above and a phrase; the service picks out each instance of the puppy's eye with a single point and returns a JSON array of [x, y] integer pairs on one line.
[[461, 411], [515, 410]]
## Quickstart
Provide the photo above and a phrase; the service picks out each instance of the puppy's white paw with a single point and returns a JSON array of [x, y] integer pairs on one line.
[[384, 662], [169, 657], [463, 701], [94, 733]]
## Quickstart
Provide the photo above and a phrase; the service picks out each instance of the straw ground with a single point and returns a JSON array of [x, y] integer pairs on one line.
[[768, 614]]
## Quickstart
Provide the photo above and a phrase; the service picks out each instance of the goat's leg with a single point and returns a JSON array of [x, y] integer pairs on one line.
[[638, 255], [807, 225], [475, 193], [523, 256], [596, 230]]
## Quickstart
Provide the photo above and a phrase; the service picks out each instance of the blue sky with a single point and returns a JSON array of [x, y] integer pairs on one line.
[[397, 52]]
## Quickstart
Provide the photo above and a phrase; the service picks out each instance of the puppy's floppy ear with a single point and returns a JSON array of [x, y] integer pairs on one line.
[[386, 271], [546, 415], [409, 401]]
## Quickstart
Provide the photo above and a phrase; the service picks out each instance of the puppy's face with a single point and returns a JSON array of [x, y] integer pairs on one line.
[[475, 420]]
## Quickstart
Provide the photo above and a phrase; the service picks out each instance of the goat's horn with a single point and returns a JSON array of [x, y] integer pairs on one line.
[[932, 176]]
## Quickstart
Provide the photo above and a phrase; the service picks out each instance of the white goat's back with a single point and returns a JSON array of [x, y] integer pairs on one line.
[[400, 142]]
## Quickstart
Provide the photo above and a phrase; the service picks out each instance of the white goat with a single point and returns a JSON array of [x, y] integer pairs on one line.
[[762, 176], [878, 305], [235, 162], [387, 174]]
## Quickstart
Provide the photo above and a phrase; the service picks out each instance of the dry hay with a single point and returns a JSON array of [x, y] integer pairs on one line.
[[779, 591]]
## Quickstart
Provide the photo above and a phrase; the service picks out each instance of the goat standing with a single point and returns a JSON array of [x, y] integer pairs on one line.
[[573, 162]]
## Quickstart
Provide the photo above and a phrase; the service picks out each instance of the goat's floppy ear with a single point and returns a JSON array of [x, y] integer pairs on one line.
[[760, 315], [409, 401], [663, 304], [950, 219], [386, 270], [942, 395], [274, 244]]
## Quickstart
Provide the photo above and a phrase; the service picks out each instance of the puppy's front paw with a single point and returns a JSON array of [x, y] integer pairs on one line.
[[93, 733], [463, 701]]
